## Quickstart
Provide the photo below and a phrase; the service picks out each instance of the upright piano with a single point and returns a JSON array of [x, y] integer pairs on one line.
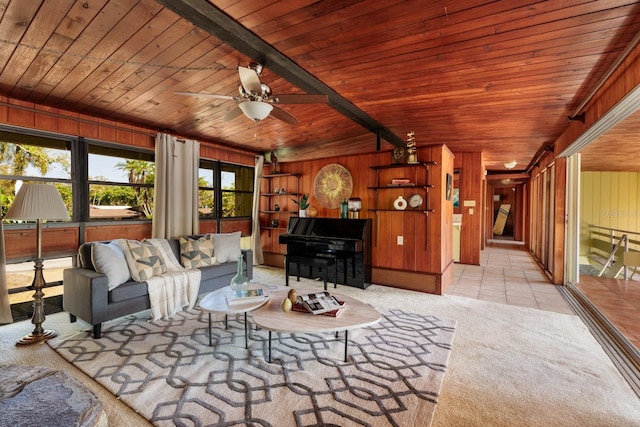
[[347, 240]]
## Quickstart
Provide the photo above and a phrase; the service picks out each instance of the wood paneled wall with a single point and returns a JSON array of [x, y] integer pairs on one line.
[[20, 245], [34, 116], [610, 200], [471, 179], [427, 248]]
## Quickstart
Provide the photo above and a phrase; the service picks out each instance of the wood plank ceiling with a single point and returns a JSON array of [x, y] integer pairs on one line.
[[494, 76]]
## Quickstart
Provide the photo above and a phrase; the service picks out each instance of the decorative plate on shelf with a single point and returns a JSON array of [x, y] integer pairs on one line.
[[415, 201], [333, 184]]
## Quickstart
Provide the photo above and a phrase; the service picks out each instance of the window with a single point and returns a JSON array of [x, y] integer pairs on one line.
[[236, 184], [120, 184], [33, 158], [206, 188], [231, 184]]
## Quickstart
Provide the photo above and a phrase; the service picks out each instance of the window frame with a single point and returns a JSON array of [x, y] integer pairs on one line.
[[110, 148], [217, 167]]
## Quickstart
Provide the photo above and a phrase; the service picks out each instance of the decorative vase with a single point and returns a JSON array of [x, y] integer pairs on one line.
[[239, 282], [302, 213], [400, 203], [344, 209]]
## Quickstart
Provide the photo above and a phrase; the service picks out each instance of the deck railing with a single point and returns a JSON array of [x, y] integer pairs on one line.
[[607, 246]]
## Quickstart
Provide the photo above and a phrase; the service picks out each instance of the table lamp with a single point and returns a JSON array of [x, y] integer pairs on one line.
[[38, 202], [355, 206]]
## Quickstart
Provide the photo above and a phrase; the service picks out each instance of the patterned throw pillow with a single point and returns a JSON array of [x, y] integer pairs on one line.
[[144, 260], [196, 253]]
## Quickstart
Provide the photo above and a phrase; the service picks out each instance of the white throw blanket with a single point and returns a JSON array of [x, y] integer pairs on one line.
[[175, 290]]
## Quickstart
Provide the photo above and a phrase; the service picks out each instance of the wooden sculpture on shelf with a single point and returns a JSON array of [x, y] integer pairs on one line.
[[274, 162], [412, 156]]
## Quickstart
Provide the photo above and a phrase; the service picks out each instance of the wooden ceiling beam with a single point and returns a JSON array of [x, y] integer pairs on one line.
[[217, 23]]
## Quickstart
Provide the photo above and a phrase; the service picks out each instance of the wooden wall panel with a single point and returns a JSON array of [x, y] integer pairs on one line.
[[33, 116], [94, 233], [557, 273], [471, 182], [21, 244], [232, 225], [208, 226], [610, 200], [445, 214]]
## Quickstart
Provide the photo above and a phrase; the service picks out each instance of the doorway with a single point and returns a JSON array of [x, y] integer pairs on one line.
[[504, 213]]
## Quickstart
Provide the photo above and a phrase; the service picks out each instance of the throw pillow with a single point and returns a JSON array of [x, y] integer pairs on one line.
[[144, 260], [109, 259], [196, 253], [227, 246]]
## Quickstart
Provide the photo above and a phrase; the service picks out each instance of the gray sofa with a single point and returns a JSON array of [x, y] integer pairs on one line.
[[87, 296]]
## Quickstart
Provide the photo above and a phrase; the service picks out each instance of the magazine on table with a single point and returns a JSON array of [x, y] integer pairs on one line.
[[333, 313], [320, 303], [246, 296]]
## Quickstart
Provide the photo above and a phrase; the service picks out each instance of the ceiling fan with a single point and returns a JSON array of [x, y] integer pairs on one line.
[[256, 100]]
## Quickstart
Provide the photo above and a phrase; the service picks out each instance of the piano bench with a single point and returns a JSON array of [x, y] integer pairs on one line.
[[321, 261]]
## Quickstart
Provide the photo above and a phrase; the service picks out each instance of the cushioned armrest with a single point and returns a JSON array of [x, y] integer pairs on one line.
[[86, 294]]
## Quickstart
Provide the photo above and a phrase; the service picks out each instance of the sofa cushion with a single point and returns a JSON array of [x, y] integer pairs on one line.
[[144, 260], [196, 253], [128, 291], [226, 246], [109, 259]]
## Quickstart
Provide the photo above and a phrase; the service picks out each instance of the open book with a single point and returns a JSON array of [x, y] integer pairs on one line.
[[319, 303]]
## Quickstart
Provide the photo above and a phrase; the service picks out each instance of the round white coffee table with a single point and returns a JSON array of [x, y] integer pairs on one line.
[[356, 314], [216, 303]]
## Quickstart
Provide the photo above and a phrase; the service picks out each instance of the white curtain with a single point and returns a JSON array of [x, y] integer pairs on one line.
[[5, 307], [175, 209], [256, 244]]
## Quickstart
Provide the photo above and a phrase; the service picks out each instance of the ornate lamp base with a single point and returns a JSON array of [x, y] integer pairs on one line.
[[39, 334], [33, 338]]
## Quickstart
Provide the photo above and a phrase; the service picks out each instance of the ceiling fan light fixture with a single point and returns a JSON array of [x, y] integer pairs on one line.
[[510, 165], [256, 110]]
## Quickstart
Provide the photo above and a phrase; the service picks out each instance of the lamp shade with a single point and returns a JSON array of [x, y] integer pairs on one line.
[[38, 201], [256, 110], [355, 204]]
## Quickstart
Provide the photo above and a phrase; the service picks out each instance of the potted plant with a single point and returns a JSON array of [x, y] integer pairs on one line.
[[303, 204]]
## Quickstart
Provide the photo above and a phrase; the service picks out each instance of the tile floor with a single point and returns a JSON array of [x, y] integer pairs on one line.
[[507, 274]]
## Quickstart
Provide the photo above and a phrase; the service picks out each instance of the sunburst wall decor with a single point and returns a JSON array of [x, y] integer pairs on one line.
[[333, 185]]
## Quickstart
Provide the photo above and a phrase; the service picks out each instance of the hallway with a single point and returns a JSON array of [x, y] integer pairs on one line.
[[507, 274]]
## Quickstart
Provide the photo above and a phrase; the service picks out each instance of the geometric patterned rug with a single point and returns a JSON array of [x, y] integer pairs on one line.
[[166, 371]]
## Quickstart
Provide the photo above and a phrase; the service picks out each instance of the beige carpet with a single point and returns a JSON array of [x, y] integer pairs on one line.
[[509, 366], [167, 372]]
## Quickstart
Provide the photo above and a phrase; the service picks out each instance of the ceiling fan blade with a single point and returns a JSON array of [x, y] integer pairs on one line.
[[280, 114], [231, 115], [300, 99], [250, 80], [207, 95]]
